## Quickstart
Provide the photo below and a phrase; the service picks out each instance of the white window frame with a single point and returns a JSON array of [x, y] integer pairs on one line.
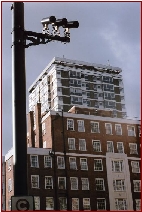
[[71, 143], [9, 164], [86, 206], [135, 166], [99, 183], [83, 164], [137, 185], [117, 206], [133, 148], [110, 147], [81, 127], [75, 204], [51, 203], [35, 161], [37, 181], [72, 161], [85, 183], [138, 204], [100, 162], [43, 129], [44, 144], [121, 150], [108, 131], [62, 180], [139, 130], [37, 202], [48, 182], [130, 131], [63, 201], [47, 161], [9, 204], [82, 144], [119, 185], [74, 183], [96, 148], [117, 165], [9, 185], [119, 130], [70, 126], [95, 127], [60, 165], [98, 204]]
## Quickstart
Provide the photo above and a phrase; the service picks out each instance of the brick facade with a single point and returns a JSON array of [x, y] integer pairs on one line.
[[52, 139]]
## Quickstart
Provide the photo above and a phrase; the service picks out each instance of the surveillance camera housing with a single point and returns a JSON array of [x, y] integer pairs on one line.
[[60, 22], [48, 20], [71, 24]]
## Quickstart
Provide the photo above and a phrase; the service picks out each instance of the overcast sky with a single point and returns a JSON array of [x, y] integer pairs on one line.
[[107, 31]]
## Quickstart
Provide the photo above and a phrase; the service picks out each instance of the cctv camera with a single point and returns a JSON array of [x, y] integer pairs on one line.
[[49, 20]]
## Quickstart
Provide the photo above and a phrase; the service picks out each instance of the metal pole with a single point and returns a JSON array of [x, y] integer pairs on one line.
[[19, 100]]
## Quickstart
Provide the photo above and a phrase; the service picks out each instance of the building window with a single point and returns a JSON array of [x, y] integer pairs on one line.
[[99, 184], [139, 130], [83, 164], [86, 204], [120, 147], [95, 127], [108, 127], [133, 148], [131, 130], [9, 204], [37, 202], [47, 162], [70, 124], [117, 165], [119, 185], [135, 167], [63, 203], [71, 143], [49, 203], [35, 181], [72, 163], [85, 183], [98, 166], [75, 204], [34, 161], [44, 144], [101, 204], [61, 182], [9, 185], [9, 164], [81, 127], [137, 185], [48, 182], [110, 146], [74, 183], [82, 144], [43, 129], [120, 204], [118, 129], [138, 204], [60, 162], [96, 146]]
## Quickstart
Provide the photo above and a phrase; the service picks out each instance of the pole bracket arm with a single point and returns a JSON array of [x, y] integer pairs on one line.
[[39, 38]]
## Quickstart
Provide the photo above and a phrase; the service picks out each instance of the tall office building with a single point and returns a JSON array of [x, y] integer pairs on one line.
[[65, 83]]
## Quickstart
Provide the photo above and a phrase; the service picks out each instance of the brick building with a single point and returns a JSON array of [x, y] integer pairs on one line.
[[82, 151], [3, 183], [83, 159]]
